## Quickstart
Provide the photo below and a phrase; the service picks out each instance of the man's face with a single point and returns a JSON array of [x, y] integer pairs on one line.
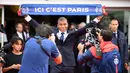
[[62, 25], [26, 28], [114, 25], [19, 28]]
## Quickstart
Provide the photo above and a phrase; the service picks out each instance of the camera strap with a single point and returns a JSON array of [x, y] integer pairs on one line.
[[39, 41]]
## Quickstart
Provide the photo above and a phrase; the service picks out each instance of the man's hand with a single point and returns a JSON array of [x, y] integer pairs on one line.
[[104, 10], [1, 58], [15, 66], [98, 18], [18, 66], [126, 66], [80, 47], [19, 12]]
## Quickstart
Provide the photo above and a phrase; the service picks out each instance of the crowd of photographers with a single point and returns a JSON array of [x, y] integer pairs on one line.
[[92, 48]]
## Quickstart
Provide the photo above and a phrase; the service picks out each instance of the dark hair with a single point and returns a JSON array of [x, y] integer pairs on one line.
[[16, 25], [104, 22], [114, 19], [44, 30], [107, 34], [15, 39]]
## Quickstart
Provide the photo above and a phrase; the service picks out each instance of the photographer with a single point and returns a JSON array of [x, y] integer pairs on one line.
[[108, 62], [38, 50]]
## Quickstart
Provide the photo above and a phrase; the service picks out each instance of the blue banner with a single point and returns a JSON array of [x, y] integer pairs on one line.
[[62, 9]]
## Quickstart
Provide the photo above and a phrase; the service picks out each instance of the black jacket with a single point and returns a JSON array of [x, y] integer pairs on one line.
[[66, 48]]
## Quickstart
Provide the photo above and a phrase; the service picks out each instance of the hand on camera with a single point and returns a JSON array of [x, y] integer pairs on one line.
[[80, 46]]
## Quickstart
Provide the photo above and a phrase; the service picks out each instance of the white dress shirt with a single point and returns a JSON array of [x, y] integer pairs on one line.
[[21, 36], [59, 35], [115, 34]]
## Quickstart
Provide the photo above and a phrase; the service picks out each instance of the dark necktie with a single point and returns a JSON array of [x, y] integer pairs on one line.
[[115, 39], [26, 36], [114, 35], [23, 36], [62, 37]]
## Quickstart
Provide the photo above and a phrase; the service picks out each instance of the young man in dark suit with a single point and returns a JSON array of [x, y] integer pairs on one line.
[[20, 32], [119, 39], [65, 41]]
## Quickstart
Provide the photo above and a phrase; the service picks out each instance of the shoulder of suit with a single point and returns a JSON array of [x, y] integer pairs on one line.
[[121, 33]]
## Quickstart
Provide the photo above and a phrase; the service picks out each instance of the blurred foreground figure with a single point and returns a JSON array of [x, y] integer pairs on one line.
[[108, 62], [37, 51]]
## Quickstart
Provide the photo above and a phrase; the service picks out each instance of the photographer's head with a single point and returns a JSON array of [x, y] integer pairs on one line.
[[105, 35], [44, 30]]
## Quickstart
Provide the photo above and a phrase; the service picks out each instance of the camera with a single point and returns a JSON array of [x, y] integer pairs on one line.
[[2, 54], [92, 38], [2, 61]]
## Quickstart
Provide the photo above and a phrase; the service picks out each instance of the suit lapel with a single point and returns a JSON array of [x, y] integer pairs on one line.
[[67, 36], [119, 39]]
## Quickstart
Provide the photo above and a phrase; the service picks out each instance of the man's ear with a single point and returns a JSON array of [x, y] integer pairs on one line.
[[49, 37], [109, 25]]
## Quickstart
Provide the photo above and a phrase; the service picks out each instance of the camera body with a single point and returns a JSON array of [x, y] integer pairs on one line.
[[93, 40], [2, 54]]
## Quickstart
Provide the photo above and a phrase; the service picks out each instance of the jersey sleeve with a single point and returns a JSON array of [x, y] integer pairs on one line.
[[85, 57], [54, 51]]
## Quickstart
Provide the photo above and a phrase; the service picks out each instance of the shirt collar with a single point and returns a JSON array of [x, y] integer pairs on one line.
[[115, 32], [19, 32], [62, 32]]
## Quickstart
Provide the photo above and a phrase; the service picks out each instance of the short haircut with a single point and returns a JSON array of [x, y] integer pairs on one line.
[[16, 25], [107, 34], [62, 19], [44, 30], [104, 22], [114, 19]]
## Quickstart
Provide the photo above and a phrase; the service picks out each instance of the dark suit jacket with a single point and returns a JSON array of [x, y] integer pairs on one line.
[[24, 40], [66, 48], [123, 46]]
